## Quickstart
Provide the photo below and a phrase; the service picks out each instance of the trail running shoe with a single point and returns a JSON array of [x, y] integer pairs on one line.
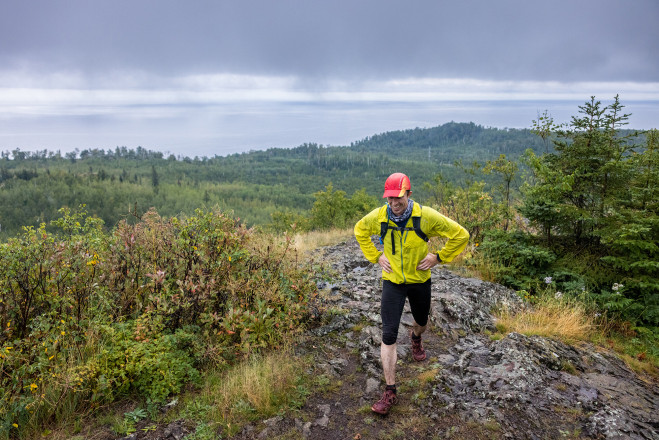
[[418, 353], [385, 403]]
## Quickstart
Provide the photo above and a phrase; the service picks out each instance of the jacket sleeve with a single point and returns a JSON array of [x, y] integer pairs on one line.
[[442, 226], [364, 229]]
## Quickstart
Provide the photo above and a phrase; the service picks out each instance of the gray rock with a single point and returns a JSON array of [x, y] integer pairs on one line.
[[323, 420], [175, 430], [372, 386], [273, 421], [532, 387], [306, 430]]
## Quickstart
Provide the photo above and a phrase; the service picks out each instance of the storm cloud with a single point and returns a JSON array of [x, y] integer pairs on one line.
[[126, 64]]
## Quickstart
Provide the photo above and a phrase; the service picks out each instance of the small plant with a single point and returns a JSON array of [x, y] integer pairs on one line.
[[196, 410], [419, 396], [568, 368], [204, 431], [124, 427], [136, 415], [322, 381], [428, 376]]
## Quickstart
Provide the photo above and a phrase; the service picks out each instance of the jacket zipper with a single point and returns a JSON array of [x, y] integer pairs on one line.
[[402, 265]]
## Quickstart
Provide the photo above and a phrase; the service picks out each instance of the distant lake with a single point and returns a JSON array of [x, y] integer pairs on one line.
[[233, 128]]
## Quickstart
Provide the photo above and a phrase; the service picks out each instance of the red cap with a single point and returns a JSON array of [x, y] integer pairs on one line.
[[396, 185]]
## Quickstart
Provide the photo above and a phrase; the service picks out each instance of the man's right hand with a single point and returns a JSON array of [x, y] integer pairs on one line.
[[383, 261]]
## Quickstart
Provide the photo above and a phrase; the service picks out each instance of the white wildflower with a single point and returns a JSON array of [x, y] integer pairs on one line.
[[547, 280]]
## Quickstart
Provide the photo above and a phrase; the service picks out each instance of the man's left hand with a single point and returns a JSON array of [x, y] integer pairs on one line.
[[428, 262]]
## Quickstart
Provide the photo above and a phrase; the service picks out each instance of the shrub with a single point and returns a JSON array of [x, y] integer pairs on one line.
[[513, 259], [88, 316], [152, 365]]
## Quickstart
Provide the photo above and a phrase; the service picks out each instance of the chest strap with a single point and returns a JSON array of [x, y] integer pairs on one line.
[[416, 227]]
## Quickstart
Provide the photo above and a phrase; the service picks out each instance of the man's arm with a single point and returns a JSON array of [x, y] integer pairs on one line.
[[364, 229], [442, 226]]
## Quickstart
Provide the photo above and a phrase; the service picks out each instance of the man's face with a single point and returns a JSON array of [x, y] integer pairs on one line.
[[399, 204]]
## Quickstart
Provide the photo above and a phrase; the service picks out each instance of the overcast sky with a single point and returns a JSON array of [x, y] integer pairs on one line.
[[217, 77]]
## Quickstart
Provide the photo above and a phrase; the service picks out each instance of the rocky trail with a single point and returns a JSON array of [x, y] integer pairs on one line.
[[470, 386]]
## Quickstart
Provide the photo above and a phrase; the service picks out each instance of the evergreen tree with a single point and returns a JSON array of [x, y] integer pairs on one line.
[[155, 181], [578, 185]]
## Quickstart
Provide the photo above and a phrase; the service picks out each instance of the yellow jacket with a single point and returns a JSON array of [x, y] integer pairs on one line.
[[410, 248]]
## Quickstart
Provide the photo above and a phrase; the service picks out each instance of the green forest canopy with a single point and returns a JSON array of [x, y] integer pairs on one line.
[[112, 183]]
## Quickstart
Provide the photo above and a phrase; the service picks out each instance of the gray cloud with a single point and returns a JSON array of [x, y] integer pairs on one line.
[[220, 76], [591, 40]]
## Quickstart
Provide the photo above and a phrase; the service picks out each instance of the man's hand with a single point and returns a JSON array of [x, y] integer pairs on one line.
[[428, 262], [383, 261]]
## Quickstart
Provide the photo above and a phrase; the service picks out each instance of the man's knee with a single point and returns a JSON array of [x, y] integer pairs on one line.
[[389, 338], [419, 324]]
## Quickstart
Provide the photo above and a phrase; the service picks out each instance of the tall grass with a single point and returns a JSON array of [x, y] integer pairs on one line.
[[309, 241], [562, 318], [255, 389], [571, 320]]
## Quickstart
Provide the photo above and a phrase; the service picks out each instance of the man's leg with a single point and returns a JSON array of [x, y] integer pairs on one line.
[[388, 399], [389, 356], [393, 301], [391, 309], [418, 329], [419, 296]]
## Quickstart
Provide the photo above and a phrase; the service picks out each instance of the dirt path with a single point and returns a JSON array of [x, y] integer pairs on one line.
[[342, 409]]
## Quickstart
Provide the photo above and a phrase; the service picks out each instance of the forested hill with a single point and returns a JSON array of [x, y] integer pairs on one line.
[[34, 185], [451, 141]]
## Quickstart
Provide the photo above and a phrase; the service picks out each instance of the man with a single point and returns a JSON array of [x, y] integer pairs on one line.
[[406, 264]]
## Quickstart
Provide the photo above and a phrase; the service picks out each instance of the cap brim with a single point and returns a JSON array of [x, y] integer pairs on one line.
[[394, 193]]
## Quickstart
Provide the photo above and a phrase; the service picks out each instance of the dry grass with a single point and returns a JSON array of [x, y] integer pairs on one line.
[[645, 368], [428, 375], [558, 318], [258, 388], [309, 241], [570, 321]]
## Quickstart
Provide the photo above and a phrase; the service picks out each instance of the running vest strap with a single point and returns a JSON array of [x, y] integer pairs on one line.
[[416, 227]]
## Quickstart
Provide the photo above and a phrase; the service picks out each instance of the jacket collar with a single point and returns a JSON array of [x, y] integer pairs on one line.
[[382, 215]]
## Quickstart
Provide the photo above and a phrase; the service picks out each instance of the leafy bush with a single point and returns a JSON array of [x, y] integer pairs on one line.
[[88, 316], [153, 366], [515, 261], [331, 209]]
